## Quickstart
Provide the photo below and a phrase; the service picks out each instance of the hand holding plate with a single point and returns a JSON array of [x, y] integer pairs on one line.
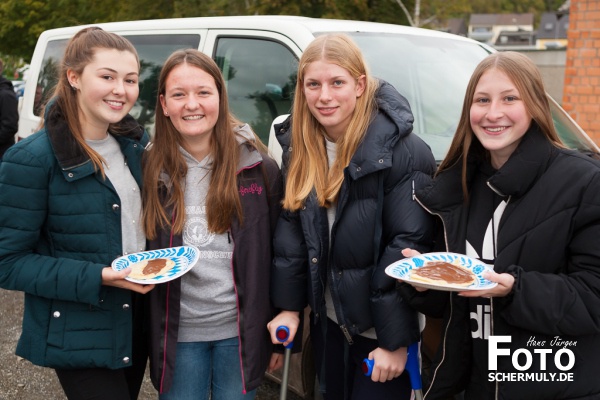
[[505, 285], [110, 277], [159, 265], [410, 252], [442, 271]]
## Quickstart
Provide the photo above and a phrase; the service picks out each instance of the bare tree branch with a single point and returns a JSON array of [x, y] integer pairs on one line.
[[410, 20], [428, 20]]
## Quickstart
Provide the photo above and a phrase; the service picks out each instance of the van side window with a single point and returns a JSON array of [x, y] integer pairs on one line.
[[260, 75], [48, 74], [153, 50]]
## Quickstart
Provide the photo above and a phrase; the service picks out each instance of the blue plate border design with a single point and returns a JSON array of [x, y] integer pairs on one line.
[[401, 270], [184, 257]]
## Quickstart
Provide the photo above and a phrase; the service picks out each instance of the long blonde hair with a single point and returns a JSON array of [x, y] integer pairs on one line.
[[527, 79], [80, 51], [222, 200], [309, 168]]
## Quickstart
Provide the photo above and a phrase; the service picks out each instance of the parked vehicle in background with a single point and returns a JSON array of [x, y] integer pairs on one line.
[[19, 86], [258, 56]]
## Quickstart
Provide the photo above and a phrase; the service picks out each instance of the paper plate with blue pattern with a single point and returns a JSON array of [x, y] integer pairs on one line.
[[402, 270], [158, 266]]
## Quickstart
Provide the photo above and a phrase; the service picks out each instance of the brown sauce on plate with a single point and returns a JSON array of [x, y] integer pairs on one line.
[[443, 271], [154, 266]]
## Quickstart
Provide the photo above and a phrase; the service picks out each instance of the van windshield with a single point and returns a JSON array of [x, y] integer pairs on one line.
[[432, 73]]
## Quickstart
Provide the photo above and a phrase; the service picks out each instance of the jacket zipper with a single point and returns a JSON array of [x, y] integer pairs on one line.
[[443, 345], [347, 334], [415, 198], [75, 166], [497, 384], [497, 388], [334, 294], [239, 314]]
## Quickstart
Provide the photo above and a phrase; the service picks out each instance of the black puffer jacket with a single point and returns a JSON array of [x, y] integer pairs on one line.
[[549, 239], [390, 162], [9, 115]]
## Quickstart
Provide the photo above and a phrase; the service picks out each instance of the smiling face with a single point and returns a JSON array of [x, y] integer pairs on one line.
[[498, 115], [191, 101], [331, 94], [107, 90]]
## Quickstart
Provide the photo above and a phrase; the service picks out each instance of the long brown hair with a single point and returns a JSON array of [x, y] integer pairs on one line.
[[164, 156], [309, 166], [527, 79], [80, 51]]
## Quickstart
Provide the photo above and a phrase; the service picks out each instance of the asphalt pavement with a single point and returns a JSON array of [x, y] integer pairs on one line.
[[21, 380]]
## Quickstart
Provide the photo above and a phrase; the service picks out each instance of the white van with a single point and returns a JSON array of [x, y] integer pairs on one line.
[[259, 57]]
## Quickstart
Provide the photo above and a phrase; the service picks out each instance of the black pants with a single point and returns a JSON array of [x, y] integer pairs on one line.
[[101, 383], [358, 386], [109, 384]]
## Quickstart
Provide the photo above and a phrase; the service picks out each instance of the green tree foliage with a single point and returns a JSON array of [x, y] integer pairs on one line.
[[132, 10], [509, 6], [22, 21]]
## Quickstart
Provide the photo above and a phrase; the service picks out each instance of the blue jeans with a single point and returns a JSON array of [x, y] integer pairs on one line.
[[204, 369]]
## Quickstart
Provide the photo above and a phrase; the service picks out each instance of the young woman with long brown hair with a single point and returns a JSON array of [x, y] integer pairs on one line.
[[209, 184], [511, 194], [70, 204]]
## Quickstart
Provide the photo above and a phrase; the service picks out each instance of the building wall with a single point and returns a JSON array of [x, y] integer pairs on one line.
[[581, 97], [551, 64]]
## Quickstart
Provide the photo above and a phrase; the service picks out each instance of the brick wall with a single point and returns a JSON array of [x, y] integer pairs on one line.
[[581, 96]]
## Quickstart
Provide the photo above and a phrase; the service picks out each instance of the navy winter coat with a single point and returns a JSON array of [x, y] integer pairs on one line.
[[376, 218], [60, 225]]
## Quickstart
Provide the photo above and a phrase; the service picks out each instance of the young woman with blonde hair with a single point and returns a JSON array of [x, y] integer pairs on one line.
[[351, 163]]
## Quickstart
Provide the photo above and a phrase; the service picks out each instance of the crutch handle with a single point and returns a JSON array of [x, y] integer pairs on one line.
[[412, 367], [367, 366], [283, 333]]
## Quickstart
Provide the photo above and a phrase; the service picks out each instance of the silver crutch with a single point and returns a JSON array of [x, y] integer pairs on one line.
[[282, 333]]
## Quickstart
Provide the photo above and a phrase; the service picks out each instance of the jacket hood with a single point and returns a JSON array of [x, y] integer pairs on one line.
[[395, 107], [5, 84], [529, 161], [68, 151], [248, 156], [392, 122]]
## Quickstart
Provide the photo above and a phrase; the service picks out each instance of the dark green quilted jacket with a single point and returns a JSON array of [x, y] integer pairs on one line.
[[60, 224]]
